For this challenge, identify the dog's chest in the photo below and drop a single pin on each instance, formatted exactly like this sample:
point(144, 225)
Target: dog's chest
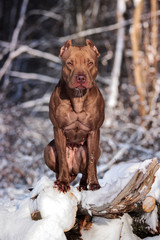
point(71, 114)
point(77, 130)
point(73, 121)
point(78, 104)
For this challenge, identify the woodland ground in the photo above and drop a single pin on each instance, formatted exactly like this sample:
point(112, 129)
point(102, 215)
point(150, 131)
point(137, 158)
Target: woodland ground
point(25, 129)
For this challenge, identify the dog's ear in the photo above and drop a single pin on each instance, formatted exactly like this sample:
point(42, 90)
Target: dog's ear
point(65, 47)
point(90, 43)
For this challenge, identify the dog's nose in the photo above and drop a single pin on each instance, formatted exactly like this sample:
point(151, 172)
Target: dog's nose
point(81, 78)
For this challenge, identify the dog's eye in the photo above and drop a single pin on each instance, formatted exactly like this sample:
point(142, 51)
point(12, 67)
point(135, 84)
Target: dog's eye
point(70, 63)
point(90, 63)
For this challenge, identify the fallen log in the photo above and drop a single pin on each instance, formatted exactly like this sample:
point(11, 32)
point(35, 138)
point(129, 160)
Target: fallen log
point(148, 204)
point(133, 200)
point(131, 197)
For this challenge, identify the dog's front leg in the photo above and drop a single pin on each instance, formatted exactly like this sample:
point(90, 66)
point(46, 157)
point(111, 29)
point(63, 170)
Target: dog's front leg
point(93, 156)
point(63, 175)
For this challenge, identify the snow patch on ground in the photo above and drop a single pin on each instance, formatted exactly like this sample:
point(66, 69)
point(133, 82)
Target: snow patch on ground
point(111, 229)
point(152, 219)
point(153, 238)
point(58, 210)
point(155, 190)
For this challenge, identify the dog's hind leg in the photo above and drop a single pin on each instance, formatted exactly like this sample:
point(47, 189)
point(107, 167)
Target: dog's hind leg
point(50, 156)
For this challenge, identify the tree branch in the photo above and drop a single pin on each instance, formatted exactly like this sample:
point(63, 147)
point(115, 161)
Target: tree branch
point(47, 14)
point(98, 30)
point(33, 76)
point(30, 51)
point(19, 25)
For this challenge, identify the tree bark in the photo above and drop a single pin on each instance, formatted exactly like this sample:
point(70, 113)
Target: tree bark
point(136, 38)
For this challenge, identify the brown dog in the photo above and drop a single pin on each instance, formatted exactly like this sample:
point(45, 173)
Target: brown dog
point(76, 110)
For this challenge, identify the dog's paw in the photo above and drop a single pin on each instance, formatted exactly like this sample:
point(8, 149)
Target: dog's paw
point(82, 187)
point(62, 186)
point(94, 186)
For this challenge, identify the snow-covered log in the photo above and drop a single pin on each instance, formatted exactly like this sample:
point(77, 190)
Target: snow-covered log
point(45, 214)
point(48, 214)
point(134, 192)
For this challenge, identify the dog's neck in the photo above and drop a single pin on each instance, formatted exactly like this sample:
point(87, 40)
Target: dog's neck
point(78, 103)
point(77, 97)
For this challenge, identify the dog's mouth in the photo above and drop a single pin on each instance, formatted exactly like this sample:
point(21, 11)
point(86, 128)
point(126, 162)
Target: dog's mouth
point(80, 87)
point(81, 81)
point(79, 91)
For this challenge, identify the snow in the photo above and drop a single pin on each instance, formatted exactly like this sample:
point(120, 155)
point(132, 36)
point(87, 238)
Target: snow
point(118, 176)
point(110, 229)
point(153, 238)
point(152, 219)
point(58, 210)
point(155, 190)
point(16, 222)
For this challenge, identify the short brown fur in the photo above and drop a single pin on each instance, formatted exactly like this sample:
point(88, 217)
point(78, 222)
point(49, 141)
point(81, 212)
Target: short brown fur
point(76, 110)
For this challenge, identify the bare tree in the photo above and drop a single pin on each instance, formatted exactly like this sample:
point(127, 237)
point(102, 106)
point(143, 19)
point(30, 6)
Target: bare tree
point(145, 59)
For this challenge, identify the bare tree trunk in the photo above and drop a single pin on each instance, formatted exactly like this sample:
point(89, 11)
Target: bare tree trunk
point(67, 17)
point(154, 44)
point(112, 102)
point(95, 10)
point(79, 16)
point(136, 37)
point(79, 19)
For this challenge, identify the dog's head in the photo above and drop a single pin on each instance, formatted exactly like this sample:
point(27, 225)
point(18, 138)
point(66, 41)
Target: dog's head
point(79, 65)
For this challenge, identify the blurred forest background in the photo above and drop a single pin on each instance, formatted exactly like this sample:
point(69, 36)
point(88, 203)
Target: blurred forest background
point(126, 33)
